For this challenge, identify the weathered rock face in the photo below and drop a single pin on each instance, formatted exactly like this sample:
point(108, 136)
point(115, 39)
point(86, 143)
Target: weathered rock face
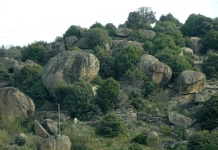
point(69, 67)
point(196, 46)
point(151, 34)
point(56, 46)
point(188, 133)
point(50, 126)
point(159, 73)
point(180, 120)
point(188, 50)
point(10, 53)
point(56, 142)
point(198, 64)
point(123, 32)
point(83, 43)
point(49, 54)
point(15, 103)
point(71, 41)
point(83, 32)
point(128, 114)
point(39, 130)
point(121, 101)
point(189, 82)
point(202, 96)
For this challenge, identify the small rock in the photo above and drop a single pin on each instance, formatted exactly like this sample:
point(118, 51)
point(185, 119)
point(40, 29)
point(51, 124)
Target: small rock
point(50, 126)
point(188, 133)
point(21, 139)
point(75, 120)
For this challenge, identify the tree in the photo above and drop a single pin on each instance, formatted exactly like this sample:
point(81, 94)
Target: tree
point(210, 40)
point(137, 36)
point(147, 15)
point(178, 37)
point(111, 28)
point(97, 25)
point(72, 31)
point(210, 66)
point(134, 21)
point(170, 17)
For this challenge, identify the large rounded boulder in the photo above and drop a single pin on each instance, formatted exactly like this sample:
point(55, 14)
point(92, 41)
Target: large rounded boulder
point(123, 32)
point(189, 81)
point(15, 103)
point(69, 66)
point(159, 73)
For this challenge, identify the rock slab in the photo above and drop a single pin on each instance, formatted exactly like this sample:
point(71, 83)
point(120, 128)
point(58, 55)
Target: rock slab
point(180, 120)
point(39, 130)
point(123, 32)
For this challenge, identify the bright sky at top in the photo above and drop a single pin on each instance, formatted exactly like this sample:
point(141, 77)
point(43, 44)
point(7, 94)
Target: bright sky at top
point(24, 21)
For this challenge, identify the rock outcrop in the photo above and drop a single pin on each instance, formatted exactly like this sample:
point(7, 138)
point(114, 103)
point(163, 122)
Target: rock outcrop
point(10, 53)
point(56, 46)
point(69, 67)
point(128, 114)
point(15, 103)
point(159, 73)
point(39, 130)
point(124, 32)
point(21, 139)
point(196, 46)
point(50, 126)
point(83, 43)
point(188, 133)
point(56, 142)
point(180, 120)
point(151, 34)
point(189, 82)
point(71, 41)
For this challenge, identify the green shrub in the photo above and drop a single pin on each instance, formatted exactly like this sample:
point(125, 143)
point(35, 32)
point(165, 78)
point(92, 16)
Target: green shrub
point(165, 130)
point(5, 138)
point(77, 97)
point(140, 139)
point(75, 48)
point(111, 125)
point(210, 41)
point(97, 36)
point(170, 17)
point(203, 141)
point(166, 24)
point(137, 36)
point(106, 93)
point(97, 25)
point(97, 80)
point(34, 52)
point(147, 88)
point(178, 37)
point(135, 146)
point(4, 75)
point(138, 103)
point(134, 94)
point(72, 31)
point(106, 62)
point(148, 46)
point(207, 115)
point(59, 39)
point(154, 141)
point(134, 21)
point(27, 72)
point(127, 59)
point(108, 142)
point(111, 28)
point(210, 66)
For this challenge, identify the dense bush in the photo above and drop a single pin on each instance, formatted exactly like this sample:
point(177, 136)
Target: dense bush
point(140, 139)
point(210, 41)
point(165, 130)
point(134, 21)
point(203, 141)
point(170, 17)
point(210, 66)
point(207, 115)
point(75, 48)
point(34, 51)
point(147, 88)
point(72, 31)
point(97, 25)
point(77, 97)
point(134, 94)
point(111, 125)
point(106, 93)
point(135, 146)
point(111, 28)
point(178, 38)
point(97, 36)
point(137, 36)
point(107, 68)
point(137, 103)
point(97, 80)
point(4, 75)
point(127, 59)
point(166, 24)
point(148, 46)
point(176, 62)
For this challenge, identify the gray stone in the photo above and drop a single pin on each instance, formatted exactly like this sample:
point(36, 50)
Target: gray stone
point(56, 142)
point(188, 50)
point(188, 133)
point(21, 139)
point(189, 81)
point(69, 67)
point(39, 130)
point(155, 119)
point(159, 73)
point(170, 143)
point(83, 43)
point(71, 41)
point(151, 34)
point(196, 46)
point(180, 120)
point(50, 126)
point(15, 103)
point(75, 120)
point(202, 96)
point(123, 32)
point(83, 32)
point(12, 52)
point(198, 64)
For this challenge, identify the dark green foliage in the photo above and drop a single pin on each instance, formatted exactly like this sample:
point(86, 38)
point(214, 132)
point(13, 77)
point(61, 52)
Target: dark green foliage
point(27, 72)
point(203, 141)
point(162, 41)
point(127, 59)
point(75, 48)
point(97, 36)
point(106, 93)
point(97, 25)
point(210, 41)
point(166, 24)
point(137, 103)
point(122, 25)
point(72, 31)
point(107, 68)
point(148, 46)
point(135, 146)
point(140, 139)
point(170, 17)
point(4, 75)
point(137, 36)
point(207, 115)
point(111, 125)
point(34, 51)
point(147, 88)
point(165, 130)
point(173, 60)
point(134, 21)
point(97, 80)
point(198, 25)
point(111, 28)
point(188, 57)
point(134, 94)
point(210, 66)
point(147, 15)
point(77, 97)
point(178, 38)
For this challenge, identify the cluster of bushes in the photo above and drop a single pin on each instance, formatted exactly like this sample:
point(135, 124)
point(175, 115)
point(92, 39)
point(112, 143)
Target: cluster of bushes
point(210, 66)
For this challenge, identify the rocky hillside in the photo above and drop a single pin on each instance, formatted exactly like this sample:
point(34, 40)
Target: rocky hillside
point(133, 87)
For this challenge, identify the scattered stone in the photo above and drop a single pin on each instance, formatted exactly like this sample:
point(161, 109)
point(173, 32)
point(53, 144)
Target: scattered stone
point(21, 139)
point(180, 120)
point(50, 126)
point(188, 133)
point(39, 130)
point(56, 142)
